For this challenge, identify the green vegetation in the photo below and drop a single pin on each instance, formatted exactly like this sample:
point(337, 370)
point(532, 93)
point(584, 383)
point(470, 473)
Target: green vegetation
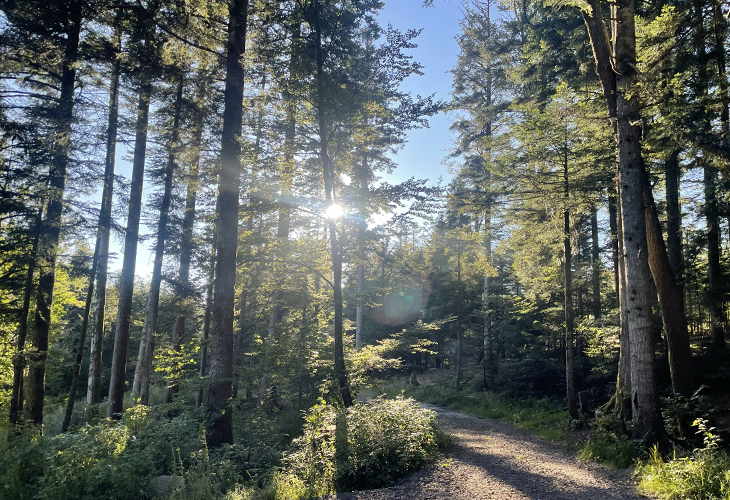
point(545, 416)
point(703, 474)
point(368, 445)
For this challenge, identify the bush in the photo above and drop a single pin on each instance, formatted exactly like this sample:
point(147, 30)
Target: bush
point(704, 475)
point(610, 448)
point(369, 445)
point(113, 459)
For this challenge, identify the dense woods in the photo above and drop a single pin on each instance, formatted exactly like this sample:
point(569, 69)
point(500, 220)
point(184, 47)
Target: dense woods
point(577, 251)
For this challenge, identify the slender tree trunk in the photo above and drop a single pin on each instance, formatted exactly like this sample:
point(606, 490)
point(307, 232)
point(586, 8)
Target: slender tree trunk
point(16, 399)
point(488, 344)
point(220, 423)
point(340, 369)
point(51, 227)
point(569, 326)
point(186, 250)
point(82, 342)
point(362, 177)
point(206, 324)
point(143, 370)
point(613, 223)
point(644, 397)
point(595, 265)
point(714, 271)
point(126, 281)
point(623, 382)
point(674, 217)
point(93, 391)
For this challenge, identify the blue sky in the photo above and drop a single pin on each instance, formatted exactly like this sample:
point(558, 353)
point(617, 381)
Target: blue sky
point(437, 50)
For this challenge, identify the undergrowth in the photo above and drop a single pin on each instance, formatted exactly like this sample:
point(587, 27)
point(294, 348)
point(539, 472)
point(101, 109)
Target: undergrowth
point(546, 417)
point(703, 474)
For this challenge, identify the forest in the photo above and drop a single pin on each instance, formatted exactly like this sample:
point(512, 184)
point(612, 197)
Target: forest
point(575, 257)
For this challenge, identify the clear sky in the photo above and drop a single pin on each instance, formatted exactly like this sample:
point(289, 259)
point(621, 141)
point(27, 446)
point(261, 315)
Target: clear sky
point(437, 51)
point(421, 157)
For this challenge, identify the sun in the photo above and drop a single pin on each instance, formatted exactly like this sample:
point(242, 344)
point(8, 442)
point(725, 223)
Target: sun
point(334, 211)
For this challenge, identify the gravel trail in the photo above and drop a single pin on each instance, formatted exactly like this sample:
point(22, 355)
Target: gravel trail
point(494, 460)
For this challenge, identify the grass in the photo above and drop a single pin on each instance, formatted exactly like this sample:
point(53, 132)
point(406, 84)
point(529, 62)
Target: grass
point(545, 417)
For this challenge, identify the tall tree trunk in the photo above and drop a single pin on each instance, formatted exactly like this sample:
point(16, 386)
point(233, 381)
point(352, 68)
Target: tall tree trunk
point(220, 422)
point(16, 398)
point(206, 324)
point(674, 217)
point(613, 223)
point(185, 290)
point(93, 391)
point(672, 301)
point(714, 271)
point(595, 265)
point(340, 369)
point(51, 227)
point(489, 365)
point(143, 370)
point(645, 400)
point(126, 280)
point(623, 382)
point(82, 342)
point(569, 326)
point(362, 178)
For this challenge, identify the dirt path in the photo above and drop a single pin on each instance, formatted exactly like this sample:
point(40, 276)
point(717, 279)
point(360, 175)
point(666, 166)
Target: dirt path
point(494, 460)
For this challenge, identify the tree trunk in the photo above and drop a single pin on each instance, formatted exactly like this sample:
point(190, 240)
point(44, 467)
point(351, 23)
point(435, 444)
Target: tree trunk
point(672, 300)
point(126, 280)
point(185, 290)
point(714, 271)
point(51, 227)
point(595, 265)
point(645, 400)
point(340, 369)
point(82, 342)
point(143, 371)
point(613, 223)
point(488, 354)
point(623, 382)
point(206, 324)
point(93, 391)
point(569, 327)
point(362, 178)
point(674, 217)
point(16, 399)
point(220, 423)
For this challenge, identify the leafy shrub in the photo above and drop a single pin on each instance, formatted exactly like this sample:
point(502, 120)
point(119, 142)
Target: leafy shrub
point(369, 445)
point(610, 448)
point(112, 460)
point(703, 475)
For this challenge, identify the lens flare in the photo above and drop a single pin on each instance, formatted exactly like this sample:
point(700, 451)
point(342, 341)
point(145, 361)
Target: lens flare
point(334, 211)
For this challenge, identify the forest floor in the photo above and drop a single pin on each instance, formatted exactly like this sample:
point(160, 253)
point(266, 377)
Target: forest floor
point(491, 459)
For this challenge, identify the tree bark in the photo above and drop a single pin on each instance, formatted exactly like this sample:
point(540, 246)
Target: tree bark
point(185, 289)
point(51, 227)
point(714, 271)
point(126, 280)
point(595, 265)
point(143, 371)
point(569, 326)
point(93, 391)
point(328, 174)
point(672, 300)
point(16, 398)
point(645, 400)
point(82, 342)
point(674, 217)
point(219, 418)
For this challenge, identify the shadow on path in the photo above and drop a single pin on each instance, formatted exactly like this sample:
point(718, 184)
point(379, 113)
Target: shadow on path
point(494, 460)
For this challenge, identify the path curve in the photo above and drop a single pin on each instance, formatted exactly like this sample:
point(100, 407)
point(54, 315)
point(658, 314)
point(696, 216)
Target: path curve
point(495, 460)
